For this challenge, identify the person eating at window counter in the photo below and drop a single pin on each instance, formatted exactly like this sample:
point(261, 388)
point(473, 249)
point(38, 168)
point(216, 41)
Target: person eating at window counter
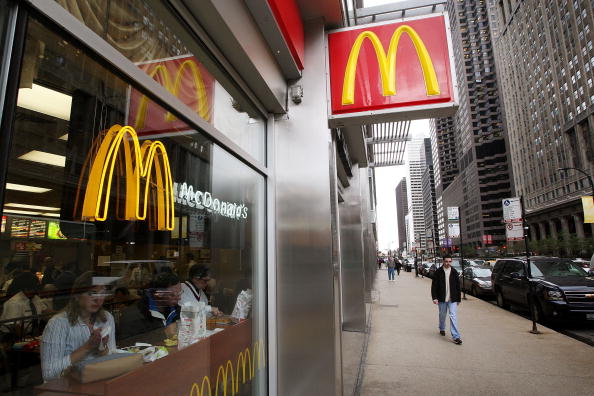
point(23, 301)
point(193, 288)
point(156, 312)
point(83, 330)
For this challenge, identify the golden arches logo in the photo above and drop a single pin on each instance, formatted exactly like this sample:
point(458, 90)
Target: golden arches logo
point(247, 360)
point(120, 152)
point(387, 63)
point(202, 105)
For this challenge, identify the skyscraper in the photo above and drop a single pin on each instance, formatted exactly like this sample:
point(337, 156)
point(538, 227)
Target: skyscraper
point(416, 166)
point(549, 104)
point(401, 211)
point(481, 177)
point(429, 203)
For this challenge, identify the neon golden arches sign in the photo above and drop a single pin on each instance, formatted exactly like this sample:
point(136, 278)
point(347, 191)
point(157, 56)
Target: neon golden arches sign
point(149, 162)
point(202, 105)
point(387, 63)
point(226, 372)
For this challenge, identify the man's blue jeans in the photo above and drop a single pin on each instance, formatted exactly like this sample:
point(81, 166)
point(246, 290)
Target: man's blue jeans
point(444, 307)
point(390, 273)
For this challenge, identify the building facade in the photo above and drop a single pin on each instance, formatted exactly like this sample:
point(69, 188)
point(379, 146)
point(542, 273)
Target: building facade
point(429, 198)
point(416, 166)
point(401, 211)
point(479, 132)
point(549, 107)
point(146, 143)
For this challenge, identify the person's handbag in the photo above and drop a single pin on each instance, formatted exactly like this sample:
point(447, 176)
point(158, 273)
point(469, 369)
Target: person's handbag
point(104, 367)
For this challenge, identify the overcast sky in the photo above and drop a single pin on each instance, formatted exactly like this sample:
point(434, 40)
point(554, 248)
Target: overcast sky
point(386, 180)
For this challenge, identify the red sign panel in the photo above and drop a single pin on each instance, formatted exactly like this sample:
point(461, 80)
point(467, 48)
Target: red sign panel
point(289, 20)
point(391, 66)
point(187, 79)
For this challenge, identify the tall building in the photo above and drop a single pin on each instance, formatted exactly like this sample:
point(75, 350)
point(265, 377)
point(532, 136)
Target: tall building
point(481, 177)
point(445, 164)
point(401, 211)
point(416, 167)
point(429, 202)
point(549, 104)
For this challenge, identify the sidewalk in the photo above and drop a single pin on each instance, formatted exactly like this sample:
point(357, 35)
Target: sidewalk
point(407, 356)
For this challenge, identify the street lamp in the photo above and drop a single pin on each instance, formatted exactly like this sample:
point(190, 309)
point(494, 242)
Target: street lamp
point(581, 171)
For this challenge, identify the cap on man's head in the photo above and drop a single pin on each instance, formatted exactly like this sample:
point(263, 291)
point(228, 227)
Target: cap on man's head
point(198, 271)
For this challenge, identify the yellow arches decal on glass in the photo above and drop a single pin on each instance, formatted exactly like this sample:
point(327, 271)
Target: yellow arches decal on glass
point(246, 360)
point(387, 63)
point(202, 105)
point(119, 151)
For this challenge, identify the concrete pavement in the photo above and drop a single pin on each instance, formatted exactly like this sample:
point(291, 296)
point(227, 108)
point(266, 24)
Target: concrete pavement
point(407, 356)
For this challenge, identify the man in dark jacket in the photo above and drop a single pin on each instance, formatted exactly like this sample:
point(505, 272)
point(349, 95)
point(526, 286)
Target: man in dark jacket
point(445, 291)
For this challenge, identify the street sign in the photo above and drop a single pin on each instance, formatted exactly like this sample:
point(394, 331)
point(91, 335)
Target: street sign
point(512, 210)
point(454, 230)
point(453, 213)
point(514, 231)
point(588, 205)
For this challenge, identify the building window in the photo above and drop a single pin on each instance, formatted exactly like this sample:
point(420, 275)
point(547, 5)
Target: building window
point(109, 219)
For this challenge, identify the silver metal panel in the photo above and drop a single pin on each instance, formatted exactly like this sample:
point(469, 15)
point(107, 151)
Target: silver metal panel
point(232, 28)
point(305, 296)
point(11, 18)
point(351, 243)
point(366, 232)
point(271, 259)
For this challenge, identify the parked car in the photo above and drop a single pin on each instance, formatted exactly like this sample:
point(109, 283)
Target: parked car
point(562, 289)
point(425, 267)
point(585, 264)
point(407, 265)
point(432, 268)
point(477, 281)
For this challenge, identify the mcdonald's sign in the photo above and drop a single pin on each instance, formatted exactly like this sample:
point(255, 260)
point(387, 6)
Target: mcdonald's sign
point(187, 79)
point(146, 174)
point(391, 71)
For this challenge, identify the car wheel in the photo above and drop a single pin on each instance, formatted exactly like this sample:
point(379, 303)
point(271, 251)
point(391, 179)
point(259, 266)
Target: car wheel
point(501, 301)
point(473, 291)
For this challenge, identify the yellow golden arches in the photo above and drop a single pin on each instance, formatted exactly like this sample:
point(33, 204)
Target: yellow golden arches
point(202, 105)
point(387, 63)
point(200, 389)
point(224, 370)
point(139, 163)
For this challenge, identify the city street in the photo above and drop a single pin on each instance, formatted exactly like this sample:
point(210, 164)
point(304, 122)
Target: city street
point(406, 355)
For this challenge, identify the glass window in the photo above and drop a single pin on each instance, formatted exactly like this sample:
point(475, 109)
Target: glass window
point(113, 235)
point(178, 63)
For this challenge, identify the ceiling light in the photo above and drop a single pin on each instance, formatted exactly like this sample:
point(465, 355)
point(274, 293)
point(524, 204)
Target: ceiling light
point(22, 187)
point(25, 212)
point(46, 101)
point(25, 206)
point(51, 214)
point(44, 158)
point(64, 137)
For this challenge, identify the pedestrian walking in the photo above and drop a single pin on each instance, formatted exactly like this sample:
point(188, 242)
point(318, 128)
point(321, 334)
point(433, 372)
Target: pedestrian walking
point(391, 267)
point(416, 268)
point(445, 291)
point(398, 265)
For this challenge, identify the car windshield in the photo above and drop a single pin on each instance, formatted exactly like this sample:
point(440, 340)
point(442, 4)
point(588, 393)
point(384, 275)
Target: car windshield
point(456, 264)
point(557, 269)
point(481, 272)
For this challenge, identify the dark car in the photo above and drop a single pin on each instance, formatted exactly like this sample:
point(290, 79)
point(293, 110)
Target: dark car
point(431, 271)
point(562, 289)
point(477, 281)
point(425, 267)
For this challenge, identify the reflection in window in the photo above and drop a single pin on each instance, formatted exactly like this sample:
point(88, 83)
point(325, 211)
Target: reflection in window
point(108, 229)
point(135, 30)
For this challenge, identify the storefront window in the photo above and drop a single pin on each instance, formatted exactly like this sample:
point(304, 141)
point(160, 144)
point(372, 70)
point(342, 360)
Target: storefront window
point(135, 29)
point(114, 235)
